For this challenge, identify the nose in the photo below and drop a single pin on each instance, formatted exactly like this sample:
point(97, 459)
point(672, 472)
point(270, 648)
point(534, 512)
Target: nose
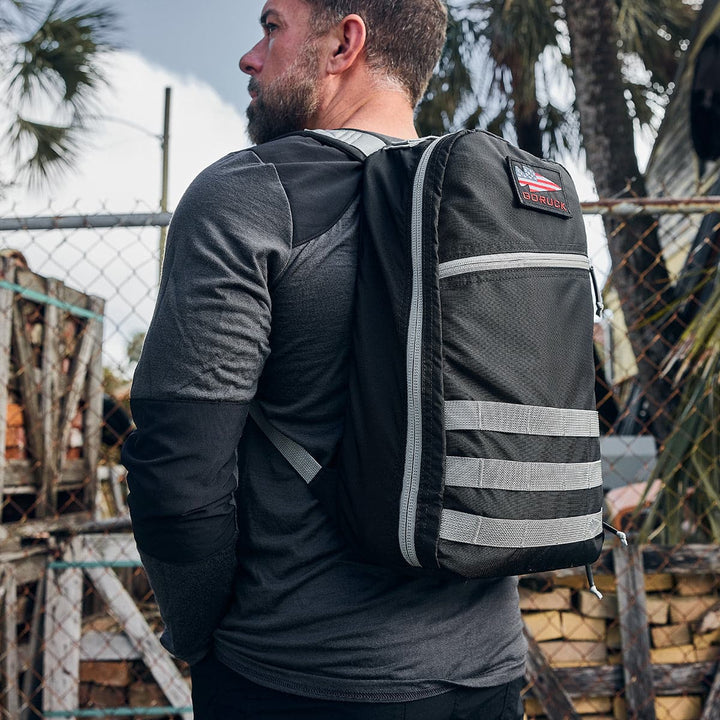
point(251, 61)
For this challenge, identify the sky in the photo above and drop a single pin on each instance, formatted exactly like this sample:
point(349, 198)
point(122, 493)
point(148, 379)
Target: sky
point(206, 45)
point(163, 43)
point(194, 48)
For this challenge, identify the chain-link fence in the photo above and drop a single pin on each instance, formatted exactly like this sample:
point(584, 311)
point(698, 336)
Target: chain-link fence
point(79, 625)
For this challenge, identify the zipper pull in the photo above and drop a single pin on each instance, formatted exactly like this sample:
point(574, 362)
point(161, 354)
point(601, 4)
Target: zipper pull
point(618, 533)
point(591, 582)
point(599, 306)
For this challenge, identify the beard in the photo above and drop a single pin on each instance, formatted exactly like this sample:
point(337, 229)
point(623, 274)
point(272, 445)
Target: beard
point(286, 103)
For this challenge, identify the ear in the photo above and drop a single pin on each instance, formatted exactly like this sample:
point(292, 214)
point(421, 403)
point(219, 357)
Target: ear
point(346, 43)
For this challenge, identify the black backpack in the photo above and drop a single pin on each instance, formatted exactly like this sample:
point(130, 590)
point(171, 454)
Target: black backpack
point(471, 442)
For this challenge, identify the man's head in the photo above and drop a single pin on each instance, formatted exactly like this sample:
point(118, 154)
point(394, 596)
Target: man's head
point(310, 42)
point(404, 37)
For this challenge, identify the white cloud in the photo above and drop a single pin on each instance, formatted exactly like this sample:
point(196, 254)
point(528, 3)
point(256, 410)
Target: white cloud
point(122, 167)
point(121, 173)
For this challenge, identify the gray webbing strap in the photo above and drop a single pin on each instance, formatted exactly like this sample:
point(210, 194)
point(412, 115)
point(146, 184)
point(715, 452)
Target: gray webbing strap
point(366, 143)
point(502, 533)
point(490, 474)
point(301, 460)
point(520, 419)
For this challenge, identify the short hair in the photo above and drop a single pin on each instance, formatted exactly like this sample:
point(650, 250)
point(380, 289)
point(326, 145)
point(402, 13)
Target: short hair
point(404, 37)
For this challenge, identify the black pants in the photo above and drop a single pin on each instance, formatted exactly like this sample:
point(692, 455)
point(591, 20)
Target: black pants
point(221, 694)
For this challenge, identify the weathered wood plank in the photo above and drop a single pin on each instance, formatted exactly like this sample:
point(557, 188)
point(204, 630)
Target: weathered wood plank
point(122, 607)
point(75, 390)
point(546, 687)
point(10, 642)
point(63, 628)
point(28, 564)
point(637, 669)
point(607, 680)
point(29, 389)
point(94, 411)
point(71, 524)
point(102, 646)
point(711, 711)
point(6, 310)
point(112, 547)
point(20, 478)
point(31, 681)
point(50, 403)
point(692, 559)
point(686, 559)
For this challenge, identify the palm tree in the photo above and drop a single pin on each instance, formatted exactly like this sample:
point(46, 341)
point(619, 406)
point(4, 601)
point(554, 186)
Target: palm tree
point(519, 52)
point(50, 60)
point(606, 110)
point(503, 41)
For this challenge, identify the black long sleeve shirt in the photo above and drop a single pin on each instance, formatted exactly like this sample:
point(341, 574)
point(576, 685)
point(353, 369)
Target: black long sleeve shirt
point(255, 302)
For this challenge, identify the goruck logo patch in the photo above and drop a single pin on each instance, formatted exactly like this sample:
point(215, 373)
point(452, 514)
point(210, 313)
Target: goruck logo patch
point(539, 188)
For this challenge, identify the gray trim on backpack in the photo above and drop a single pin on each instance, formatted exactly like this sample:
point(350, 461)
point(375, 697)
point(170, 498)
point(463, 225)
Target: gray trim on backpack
point(413, 444)
point(503, 533)
point(484, 473)
point(520, 419)
point(513, 261)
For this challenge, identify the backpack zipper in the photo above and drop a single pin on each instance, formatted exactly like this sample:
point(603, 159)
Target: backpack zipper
point(413, 443)
point(513, 261)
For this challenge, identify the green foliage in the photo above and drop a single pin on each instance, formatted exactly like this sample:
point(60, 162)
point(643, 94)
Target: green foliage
point(452, 81)
point(654, 34)
point(494, 75)
point(135, 346)
point(687, 507)
point(50, 57)
point(505, 60)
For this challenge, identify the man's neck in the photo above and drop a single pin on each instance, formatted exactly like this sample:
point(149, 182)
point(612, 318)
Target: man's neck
point(384, 111)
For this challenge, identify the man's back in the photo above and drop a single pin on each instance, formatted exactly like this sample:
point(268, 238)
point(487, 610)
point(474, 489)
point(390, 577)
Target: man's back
point(258, 591)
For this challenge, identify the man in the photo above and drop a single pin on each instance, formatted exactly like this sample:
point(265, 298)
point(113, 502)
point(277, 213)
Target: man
point(258, 590)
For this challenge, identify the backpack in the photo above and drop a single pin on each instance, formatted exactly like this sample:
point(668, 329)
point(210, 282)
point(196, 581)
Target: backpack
point(471, 442)
point(705, 100)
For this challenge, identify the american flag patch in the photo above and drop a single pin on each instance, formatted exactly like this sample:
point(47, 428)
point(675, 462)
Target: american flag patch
point(539, 187)
point(527, 177)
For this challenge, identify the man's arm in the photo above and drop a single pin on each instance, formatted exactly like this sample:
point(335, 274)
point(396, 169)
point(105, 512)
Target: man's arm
point(207, 343)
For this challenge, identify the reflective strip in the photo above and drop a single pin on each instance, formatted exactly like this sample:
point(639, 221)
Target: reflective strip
point(503, 533)
point(413, 443)
point(365, 142)
point(304, 464)
point(490, 474)
point(520, 419)
point(513, 261)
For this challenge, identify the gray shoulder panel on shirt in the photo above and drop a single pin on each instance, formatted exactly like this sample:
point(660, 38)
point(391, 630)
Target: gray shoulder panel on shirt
point(230, 237)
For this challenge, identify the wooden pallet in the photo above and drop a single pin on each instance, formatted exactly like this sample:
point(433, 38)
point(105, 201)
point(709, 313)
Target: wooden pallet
point(50, 395)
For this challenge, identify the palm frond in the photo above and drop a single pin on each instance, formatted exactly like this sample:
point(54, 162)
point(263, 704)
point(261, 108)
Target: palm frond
point(688, 505)
point(653, 36)
point(503, 40)
point(43, 151)
point(452, 82)
point(60, 57)
point(655, 30)
point(52, 63)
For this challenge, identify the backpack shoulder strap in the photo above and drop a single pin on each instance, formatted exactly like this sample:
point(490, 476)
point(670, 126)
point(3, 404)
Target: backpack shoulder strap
point(365, 143)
